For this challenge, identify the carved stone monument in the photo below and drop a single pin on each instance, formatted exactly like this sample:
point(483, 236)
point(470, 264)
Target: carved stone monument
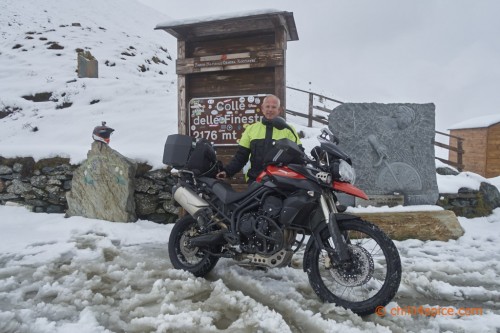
point(103, 186)
point(391, 146)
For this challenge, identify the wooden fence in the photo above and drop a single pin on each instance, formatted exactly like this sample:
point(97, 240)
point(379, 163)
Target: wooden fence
point(310, 115)
point(458, 149)
point(324, 120)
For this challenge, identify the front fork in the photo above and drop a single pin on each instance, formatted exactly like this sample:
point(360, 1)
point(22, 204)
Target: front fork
point(329, 211)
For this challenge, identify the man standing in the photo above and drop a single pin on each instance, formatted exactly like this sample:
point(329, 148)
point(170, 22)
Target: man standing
point(257, 140)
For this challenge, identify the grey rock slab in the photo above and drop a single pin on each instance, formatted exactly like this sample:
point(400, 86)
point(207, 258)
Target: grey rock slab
point(103, 186)
point(391, 147)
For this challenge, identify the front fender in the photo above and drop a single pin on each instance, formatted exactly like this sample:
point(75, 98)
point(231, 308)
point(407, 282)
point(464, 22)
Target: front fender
point(318, 227)
point(349, 189)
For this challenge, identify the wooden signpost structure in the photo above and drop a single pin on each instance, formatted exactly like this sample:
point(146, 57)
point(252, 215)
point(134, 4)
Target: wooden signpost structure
point(225, 67)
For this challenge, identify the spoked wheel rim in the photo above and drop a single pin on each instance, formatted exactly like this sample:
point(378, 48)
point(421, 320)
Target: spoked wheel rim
point(197, 260)
point(363, 277)
point(356, 272)
point(189, 254)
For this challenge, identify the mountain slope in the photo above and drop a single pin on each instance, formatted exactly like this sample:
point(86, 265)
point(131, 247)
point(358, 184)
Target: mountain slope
point(135, 92)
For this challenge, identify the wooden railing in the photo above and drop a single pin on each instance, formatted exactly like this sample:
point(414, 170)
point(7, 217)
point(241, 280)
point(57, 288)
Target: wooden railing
point(458, 150)
point(324, 120)
point(310, 115)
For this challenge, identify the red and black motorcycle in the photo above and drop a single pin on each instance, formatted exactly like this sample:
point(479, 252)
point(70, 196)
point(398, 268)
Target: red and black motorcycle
point(349, 261)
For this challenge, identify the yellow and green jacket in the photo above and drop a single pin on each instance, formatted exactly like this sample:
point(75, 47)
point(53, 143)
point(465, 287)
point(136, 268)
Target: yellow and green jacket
point(256, 141)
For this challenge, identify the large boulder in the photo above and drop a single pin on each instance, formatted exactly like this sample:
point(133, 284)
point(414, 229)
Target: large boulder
point(472, 203)
point(103, 186)
point(490, 194)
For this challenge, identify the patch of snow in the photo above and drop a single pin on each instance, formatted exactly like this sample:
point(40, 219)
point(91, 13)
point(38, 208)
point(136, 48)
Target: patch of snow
point(209, 18)
point(478, 122)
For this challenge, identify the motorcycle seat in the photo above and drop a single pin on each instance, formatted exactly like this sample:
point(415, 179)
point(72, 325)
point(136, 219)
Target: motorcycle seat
point(225, 192)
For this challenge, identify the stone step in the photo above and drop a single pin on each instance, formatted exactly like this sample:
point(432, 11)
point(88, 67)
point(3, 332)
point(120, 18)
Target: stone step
point(440, 225)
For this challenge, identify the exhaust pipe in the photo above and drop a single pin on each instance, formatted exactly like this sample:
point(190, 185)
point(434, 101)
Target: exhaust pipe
point(189, 200)
point(207, 240)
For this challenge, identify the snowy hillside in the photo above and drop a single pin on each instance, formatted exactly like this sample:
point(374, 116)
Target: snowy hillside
point(84, 275)
point(135, 92)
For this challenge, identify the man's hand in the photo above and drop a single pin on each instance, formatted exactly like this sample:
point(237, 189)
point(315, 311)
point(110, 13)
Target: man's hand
point(221, 175)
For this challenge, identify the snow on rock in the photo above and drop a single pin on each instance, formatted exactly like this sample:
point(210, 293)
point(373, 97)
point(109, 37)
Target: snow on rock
point(451, 184)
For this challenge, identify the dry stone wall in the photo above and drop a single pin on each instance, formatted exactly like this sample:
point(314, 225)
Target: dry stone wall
point(471, 203)
point(42, 186)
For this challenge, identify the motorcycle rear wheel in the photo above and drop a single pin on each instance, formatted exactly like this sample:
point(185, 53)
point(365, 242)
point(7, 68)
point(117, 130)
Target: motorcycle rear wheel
point(188, 258)
point(369, 280)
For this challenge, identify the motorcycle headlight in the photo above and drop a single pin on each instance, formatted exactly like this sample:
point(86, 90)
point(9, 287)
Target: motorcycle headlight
point(344, 172)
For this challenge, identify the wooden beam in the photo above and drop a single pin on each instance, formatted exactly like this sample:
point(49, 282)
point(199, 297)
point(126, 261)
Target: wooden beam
point(459, 166)
point(182, 92)
point(322, 108)
point(451, 136)
point(310, 111)
point(442, 145)
point(325, 97)
point(318, 119)
point(280, 40)
point(234, 61)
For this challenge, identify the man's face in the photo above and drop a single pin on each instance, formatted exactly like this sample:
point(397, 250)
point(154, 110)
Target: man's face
point(271, 108)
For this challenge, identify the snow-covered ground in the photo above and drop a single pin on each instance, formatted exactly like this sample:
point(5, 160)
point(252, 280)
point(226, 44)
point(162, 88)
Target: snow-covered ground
point(77, 274)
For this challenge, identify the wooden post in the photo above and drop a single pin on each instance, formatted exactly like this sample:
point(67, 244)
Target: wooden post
point(181, 84)
point(460, 152)
point(311, 102)
point(279, 71)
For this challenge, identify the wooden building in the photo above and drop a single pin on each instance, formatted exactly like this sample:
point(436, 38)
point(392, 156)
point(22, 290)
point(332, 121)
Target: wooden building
point(481, 145)
point(225, 66)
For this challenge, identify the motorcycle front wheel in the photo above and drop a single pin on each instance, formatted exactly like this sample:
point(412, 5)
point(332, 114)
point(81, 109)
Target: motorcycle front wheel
point(369, 279)
point(189, 258)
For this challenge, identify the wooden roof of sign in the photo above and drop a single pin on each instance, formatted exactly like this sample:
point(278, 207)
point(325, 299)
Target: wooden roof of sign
point(234, 24)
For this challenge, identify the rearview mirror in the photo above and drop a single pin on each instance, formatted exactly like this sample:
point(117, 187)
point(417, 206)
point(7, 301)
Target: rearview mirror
point(280, 123)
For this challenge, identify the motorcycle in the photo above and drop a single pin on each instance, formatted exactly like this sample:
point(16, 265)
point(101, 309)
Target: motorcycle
point(349, 261)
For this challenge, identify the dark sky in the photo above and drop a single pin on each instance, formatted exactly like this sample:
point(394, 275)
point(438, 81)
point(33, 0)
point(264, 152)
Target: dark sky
point(442, 51)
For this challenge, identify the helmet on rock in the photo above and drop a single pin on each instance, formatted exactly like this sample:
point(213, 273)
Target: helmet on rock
point(102, 133)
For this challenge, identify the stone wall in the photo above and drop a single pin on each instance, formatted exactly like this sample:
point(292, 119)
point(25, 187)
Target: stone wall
point(42, 186)
point(471, 203)
point(468, 202)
